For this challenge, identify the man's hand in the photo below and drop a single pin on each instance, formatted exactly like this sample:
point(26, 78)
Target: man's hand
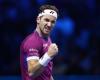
point(53, 50)
point(47, 57)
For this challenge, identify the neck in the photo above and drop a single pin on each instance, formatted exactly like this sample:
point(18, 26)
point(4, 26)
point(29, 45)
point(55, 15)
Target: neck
point(39, 32)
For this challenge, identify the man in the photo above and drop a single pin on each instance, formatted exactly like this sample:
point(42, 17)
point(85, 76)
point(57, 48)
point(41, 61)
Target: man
point(37, 50)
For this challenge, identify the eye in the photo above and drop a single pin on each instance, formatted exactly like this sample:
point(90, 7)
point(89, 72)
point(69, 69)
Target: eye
point(53, 22)
point(47, 20)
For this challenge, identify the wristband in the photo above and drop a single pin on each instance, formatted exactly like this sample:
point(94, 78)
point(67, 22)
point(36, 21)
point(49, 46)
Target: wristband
point(45, 59)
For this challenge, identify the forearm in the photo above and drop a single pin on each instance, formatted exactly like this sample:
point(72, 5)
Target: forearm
point(36, 69)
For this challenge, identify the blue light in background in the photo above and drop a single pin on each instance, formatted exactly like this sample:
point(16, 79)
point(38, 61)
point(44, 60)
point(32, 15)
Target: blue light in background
point(10, 77)
point(40, 2)
point(91, 4)
point(86, 63)
point(25, 8)
point(58, 77)
point(12, 13)
point(1, 1)
point(66, 26)
point(82, 40)
point(25, 4)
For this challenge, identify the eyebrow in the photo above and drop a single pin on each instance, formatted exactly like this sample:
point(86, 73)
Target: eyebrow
point(49, 20)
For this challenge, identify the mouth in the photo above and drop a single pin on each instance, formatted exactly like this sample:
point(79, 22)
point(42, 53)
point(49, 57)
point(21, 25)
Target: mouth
point(47, 29)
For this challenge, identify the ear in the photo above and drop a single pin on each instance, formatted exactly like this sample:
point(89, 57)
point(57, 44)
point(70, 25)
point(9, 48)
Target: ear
point(38, 20)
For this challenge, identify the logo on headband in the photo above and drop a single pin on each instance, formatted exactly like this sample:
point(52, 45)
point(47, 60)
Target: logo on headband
point(49, 12)
point(52, 12)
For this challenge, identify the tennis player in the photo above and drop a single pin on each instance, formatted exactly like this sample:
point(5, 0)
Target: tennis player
point(37, 50)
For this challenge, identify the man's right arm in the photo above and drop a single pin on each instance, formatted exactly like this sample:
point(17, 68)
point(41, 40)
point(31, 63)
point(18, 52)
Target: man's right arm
point(35, 67)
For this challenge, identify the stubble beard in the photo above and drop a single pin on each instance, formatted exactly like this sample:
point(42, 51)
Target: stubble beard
point(43, 32)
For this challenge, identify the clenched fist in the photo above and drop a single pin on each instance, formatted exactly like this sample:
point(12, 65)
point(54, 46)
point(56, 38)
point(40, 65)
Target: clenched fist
point(52, 50)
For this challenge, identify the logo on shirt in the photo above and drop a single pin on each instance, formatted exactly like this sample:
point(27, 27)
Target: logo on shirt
point(45, 46)
point(31, 50)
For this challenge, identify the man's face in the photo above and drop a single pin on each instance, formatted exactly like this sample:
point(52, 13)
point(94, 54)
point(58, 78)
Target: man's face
point(46, 23)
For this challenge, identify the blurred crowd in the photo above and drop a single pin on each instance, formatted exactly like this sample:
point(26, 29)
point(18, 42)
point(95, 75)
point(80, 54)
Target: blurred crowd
point(76, 33)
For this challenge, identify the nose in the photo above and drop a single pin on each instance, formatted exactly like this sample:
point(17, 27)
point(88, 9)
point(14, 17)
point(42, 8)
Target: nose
point(49, 24)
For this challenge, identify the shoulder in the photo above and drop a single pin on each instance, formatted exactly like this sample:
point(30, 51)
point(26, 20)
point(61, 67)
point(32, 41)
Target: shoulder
point(31, 41)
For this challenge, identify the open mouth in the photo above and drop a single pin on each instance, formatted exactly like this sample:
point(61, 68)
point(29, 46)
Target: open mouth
point(47, 29)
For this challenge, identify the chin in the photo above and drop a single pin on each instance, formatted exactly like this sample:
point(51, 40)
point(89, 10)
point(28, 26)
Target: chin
point(46, 33)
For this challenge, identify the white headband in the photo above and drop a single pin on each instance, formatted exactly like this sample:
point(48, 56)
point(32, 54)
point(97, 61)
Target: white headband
point(49, 12)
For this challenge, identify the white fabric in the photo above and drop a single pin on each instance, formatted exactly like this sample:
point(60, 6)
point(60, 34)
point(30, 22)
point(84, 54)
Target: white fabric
point(32, 57)
point(48, 12)
point(45, 59)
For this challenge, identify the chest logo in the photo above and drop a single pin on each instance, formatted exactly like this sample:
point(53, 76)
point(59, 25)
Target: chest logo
point(45, 46)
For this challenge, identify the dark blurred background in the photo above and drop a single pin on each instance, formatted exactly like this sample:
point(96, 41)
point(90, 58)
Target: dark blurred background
point(77, 34)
